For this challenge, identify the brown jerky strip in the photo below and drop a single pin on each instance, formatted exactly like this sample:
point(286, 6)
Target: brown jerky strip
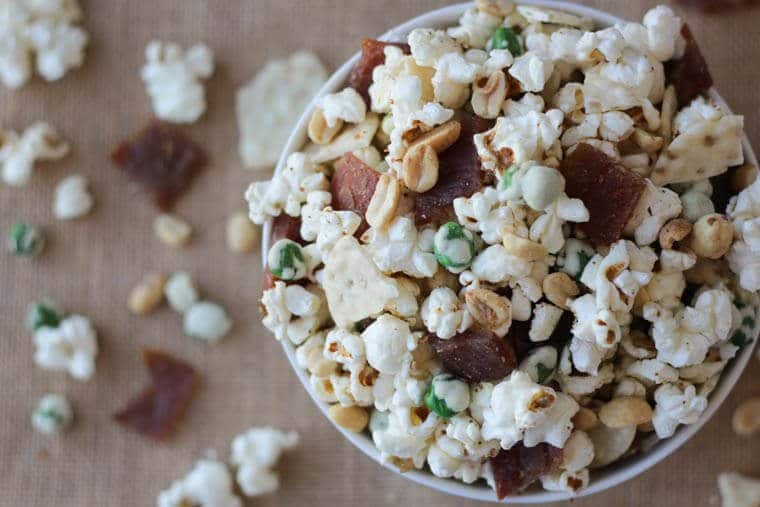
point(162, 159)
point(373, 54)
point(689, 75)
point(459, 175)
point(516, 469)
point(609, 191)
point(157, 411)
point(476, 355)
point(352, 186)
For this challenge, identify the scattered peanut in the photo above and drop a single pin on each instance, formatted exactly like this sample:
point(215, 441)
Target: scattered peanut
point(440, 137)
point(489, 94)
point(558, 288)
point(382, 207)
point(625, 411)
point(420, 168)
point(172, 230)
point(712, 236)
point(351, 418)
point(523, 248)
point(743, 177)
point(498, 8)
point(488, 308)
point(646, 141)
point(674, 231)
point(242, 234)
point(319, 132)
point(147, 295)
point(746, 419)
point(646, 427)
point(585, 419)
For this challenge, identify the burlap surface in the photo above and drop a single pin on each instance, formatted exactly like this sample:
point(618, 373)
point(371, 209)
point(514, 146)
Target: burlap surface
point(90, 266)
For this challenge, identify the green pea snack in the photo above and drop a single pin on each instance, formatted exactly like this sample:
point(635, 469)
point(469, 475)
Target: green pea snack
point(453, 246)
point(505, 38)
point(286, 260)
point(25, 240)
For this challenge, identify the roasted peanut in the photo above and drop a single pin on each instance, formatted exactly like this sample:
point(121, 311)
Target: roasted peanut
point(351, 418)
point(242, 235)
point(585, 419)
point(420, 168)
point(746, 419)
point(382, 207)
point(673, 232)
point(440, 137)
point(172, 230)
point(523, 248)
point(498, 8)
point(318, 130)
point(625, 411)
point(488, 308)
point(712, 236)
point(646, 141)
point(488, 95)
point(743, 177)
point(147, 295)
point(558, 288)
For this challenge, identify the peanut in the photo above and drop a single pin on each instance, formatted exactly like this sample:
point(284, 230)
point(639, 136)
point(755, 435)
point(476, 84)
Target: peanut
point(351, 418)
point(712, 236)
point(172, 230)
point(147, 295)
point(382, 207)
point(488, 308)
point(522, 248)
point(440, 137)
point(420, 168)
point(558, 288)
point(488, 95)
point(746, 419)
point(585, 419)
point(646, 141)
point(625, 411)
point(242, 235)
point(498, 8)
point(673, 232)
point(319, 132)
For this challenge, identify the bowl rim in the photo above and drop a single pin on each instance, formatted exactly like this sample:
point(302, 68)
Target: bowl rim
point(603, 479)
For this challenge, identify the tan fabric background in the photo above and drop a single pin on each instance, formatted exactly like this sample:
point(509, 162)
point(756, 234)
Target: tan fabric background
point(90, 266)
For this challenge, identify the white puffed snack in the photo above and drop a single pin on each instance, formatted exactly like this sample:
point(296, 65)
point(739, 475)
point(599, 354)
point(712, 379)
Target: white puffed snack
point(172, 77)
point(254, 453)
point(207, 322)
point(269, 106)
point(181, 292)
point(72, 347)
point(52, 415)
point(72, 198)
point(18, 154)
point(208, 484)
point(738, 490)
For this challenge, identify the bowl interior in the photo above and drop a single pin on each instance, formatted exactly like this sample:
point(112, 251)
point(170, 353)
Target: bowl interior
point(602, 479)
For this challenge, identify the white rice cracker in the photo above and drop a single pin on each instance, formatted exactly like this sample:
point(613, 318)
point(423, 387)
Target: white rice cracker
point(270, 105)
point(702, 152)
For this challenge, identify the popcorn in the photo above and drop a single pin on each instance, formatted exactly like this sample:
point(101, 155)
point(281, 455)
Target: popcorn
point(581, 385)
point(523, 410)
point(531, 71)
point(208, 484)
point(577, 455)
point(545, 319)
point(676, 405)
point(656, 206)
point(52, 415)
point(311, 213)
point(254, 453)
point(404, 438)
point(388, 341)
point(528, 102)
point(453, 74)
point(737, 490)
point(444, 314)
point(401, 248)
point(496, 265)
point(543, 15)
point(284, 302)
point(662, 34)
point(72, 347)
point(346, 105)
point(475, 28)
point(344, 347)
point(744, 256)
point(72, 198)
point(652, 372)
point(444, 465)
point(286, 191)
point(172, 77)
point(18, 154)
point(484, 212)
point(334, 225)
point(547, 228)
point(464, 439)
point(428, 46)
point(636, 79)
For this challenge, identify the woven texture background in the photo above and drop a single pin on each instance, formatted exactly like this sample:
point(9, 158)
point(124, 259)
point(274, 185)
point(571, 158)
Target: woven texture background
point(90, 266)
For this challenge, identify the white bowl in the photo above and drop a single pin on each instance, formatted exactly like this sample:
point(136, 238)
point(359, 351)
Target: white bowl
point(601, 479)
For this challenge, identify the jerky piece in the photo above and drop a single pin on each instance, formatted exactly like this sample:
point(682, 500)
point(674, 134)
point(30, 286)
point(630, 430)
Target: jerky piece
point(609, 191)
point(459, 175)
point(517, 468)
point(476, 355)
point(162, 159)
point(352, 186)
point(373, 54)
point(161, 406)
point(689, 75)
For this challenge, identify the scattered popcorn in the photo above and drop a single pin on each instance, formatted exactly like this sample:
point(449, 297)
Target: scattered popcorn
point(346, 105)
point(172, 230)
point(52, 415)
point(545, 319)
point(71, 346)
point(181, 292)
point(254, 453)
point(172, 77)
point(207, 322)
point(72, 198)
point(676, 405)
point(18, 153)
point(208, 484)
point(737, 490)
point(444, 314)
point(284, 302)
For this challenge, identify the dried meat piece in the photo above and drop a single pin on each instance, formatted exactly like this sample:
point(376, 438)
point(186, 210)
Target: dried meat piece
point(517, 468)
point(162, 159)
point(352, 186)
point(689, 74)
point(476, 355)
point(609, 191)
point(459, 175)
point(157, 411)
point(373, 54)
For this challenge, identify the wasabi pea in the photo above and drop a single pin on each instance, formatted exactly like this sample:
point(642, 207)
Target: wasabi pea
point(25, 240)
point(574, 257)
point(43, 314)
point(505, 38)
point(447, 396)
point(453, 246)
point(286, 260)
point(541, 186)
point(540, 364)
point(52, 415)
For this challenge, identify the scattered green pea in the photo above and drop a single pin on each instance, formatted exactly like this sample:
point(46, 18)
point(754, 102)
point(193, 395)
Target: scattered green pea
point(740, 339)
point(286, 260)
point(505, 38)
point(25, 240)
point(453, 246)
point(447, 396)
point(748, 322)
point(43, 314)
point(506, 176)
point(583, 259)
point(52, 415)
point(540, 364)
